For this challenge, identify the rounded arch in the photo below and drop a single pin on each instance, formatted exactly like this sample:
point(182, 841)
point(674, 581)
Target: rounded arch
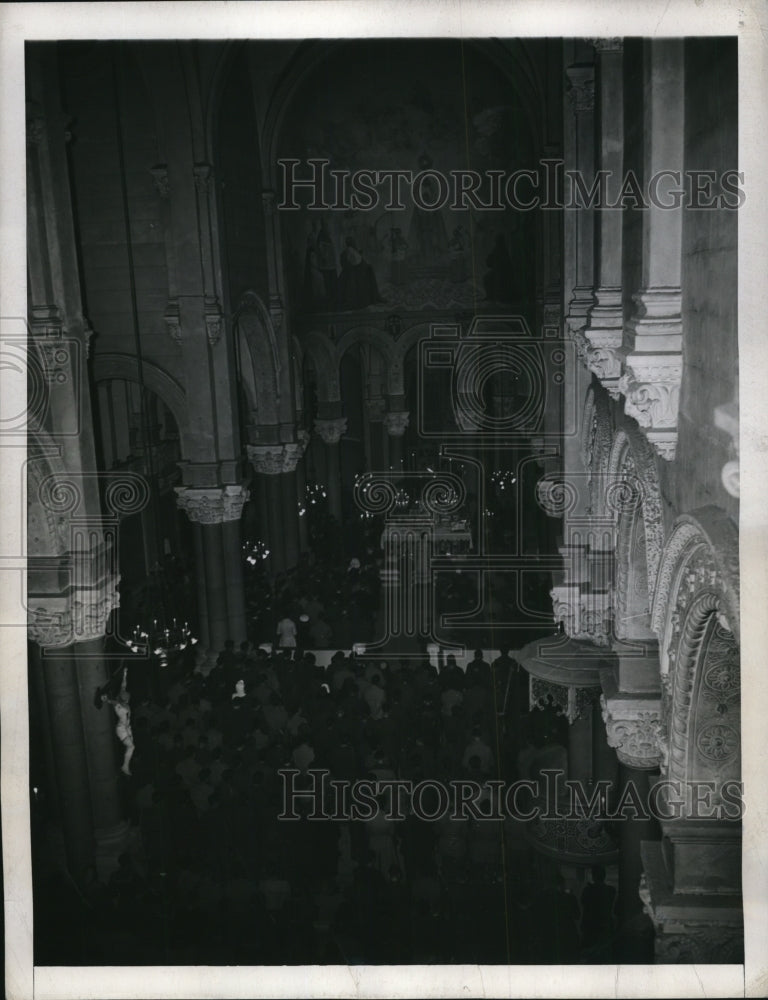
point(258, 356)
point(371, 337)
point(633, 499)
point(163, 384)
point(696, 615)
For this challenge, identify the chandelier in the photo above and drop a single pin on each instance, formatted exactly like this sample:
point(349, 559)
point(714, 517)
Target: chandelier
point(314, 494)
point(161, 642)
point(503, 479)
point(255, 552)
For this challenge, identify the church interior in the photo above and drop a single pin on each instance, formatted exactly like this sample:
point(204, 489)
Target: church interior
point(421, 491)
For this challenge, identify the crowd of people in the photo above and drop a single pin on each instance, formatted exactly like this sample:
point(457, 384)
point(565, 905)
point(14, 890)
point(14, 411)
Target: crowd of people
point(215, 875)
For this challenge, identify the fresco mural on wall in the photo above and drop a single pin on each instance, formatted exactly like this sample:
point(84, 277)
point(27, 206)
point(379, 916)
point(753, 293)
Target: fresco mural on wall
point(381, 109)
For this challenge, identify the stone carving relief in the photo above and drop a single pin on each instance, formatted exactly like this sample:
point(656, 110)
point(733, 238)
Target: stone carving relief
point(214, 505)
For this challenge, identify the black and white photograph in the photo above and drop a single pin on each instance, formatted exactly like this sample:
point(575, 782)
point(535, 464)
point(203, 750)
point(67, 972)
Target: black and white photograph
point(375, 528)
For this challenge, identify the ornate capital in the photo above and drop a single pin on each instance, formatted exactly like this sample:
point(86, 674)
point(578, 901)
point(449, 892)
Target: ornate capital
point(213, 505)
point(396, 422)
point(652, 390)
point(633, 728)
point(586, 617)
point(272, 459)
point(607, 44)
point(331, 431)
point(77, 617)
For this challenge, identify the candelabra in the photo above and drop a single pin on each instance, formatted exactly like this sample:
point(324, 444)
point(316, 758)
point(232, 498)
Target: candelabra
point(255, 552)
point(161, 641)
point(503, 479)
point(314, 494)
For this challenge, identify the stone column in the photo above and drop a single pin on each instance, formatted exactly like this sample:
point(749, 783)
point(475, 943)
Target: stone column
point(396, 422)
point(635, 928)
point(579, 222)
point(212, 509)
point(606, 318)
point(276, 465)
point(653, 336)
point(110, 825)
point(331, 432)
point(63, 698)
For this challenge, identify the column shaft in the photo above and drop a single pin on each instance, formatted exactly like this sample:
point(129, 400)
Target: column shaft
point(290, 518)
point(63, 699)
point(216, 587)
point(100, 740)
point(334, 480)
point(232, 553)
point(204, 632)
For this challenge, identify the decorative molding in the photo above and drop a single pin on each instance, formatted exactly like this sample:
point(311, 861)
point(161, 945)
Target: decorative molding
point(214, 321)
point(607, 44)
point(172, 318)
point(331, 431)
point(632, 485)
point(581, 88)
point(585, 616)
point(653, 398)
point(214, 505)
point(160, 179)
point(396, 422)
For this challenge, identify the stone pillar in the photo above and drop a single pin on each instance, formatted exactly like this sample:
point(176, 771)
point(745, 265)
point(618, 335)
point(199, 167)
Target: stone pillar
point(213, 508)
point(606, 318)
point(396, 422)
point(204, 634)
point(580, 765)
point(63, 698)
point(110, 825)
point(331, 432)
point(275, 466)
point(653, 336)
point(579, 151)
point(635, 928)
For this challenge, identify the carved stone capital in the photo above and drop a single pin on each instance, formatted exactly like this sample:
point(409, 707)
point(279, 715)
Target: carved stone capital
point(76, 617)
point(331, 431)
point(213, 505)
point(272, 459)
point(633, 728)
point(606, 44)
point(396, 422)
point(652, 390)
point(584, 616)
